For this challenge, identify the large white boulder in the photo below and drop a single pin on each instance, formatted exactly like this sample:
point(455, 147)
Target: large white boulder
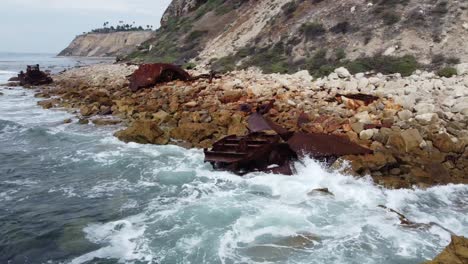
point(342, 72)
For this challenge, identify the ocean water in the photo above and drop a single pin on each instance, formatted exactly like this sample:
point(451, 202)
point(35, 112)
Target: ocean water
point(73, 193)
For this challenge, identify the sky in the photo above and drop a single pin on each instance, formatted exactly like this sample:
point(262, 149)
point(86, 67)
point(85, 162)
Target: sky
point(48, 26)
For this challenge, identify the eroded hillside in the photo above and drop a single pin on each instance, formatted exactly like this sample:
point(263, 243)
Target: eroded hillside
point(318, 35)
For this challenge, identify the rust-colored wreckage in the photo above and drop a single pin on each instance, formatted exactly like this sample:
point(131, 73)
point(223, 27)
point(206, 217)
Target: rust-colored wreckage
point(33, 76)
point(273, 149)
point(148, 75)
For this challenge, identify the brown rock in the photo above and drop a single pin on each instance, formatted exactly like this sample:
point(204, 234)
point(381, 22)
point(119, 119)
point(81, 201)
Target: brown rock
point(67, 121)
point(86, 110)
point(444, 143)
point(194, 132)
point(47, 104)
point(143, 132)
point(191, 104)
point(83, 121)
point(238, 129)
point(161, 116)
point(322, 191)
point(231, 96)
point(106, 122)
point(406, 140)
point(455, 253)
point(371, 162)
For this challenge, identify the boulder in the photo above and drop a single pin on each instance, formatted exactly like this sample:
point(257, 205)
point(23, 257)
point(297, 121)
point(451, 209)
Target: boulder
point(231, 96)
point(47, 104)
point(357, 127)
point(462, 68)
point(366, 134)
point(342, 72)
point(143, 132)
point(106, 122)
point(445, 143)
point(86, 110)
point(424, 108)
point(427, 119)
point(405, 115)
point(363, 117)
point(405, 141)
point(455, 253)
point(194, 132)
point(161, 116)
point(83, 121)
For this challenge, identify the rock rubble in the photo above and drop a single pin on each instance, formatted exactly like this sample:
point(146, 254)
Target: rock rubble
point(417, 128)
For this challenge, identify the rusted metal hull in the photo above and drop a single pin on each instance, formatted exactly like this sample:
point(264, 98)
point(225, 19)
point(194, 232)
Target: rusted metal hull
point(271, 148)
point(148, 75)
point(250, 153)
point(34, 76)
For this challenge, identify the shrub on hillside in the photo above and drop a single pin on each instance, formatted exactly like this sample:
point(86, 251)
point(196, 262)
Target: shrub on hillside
point(447, 72)
point(196, 35)
point(405, 65)
point(312, 30)
point(390, 18)
point(289, 8)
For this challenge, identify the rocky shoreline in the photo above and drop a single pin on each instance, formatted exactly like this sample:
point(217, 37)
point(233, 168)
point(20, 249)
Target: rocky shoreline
point(417, 128)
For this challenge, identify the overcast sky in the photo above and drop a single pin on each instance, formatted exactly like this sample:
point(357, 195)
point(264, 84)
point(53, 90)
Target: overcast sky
point(50, 25)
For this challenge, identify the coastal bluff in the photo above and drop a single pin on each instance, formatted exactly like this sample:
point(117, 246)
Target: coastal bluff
point(106, 44)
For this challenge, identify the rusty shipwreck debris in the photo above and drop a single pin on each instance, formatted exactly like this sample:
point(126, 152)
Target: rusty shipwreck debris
point(367, 99)
point(253, 152)
point(148, 75)
point(269, 147)
point(34, 76)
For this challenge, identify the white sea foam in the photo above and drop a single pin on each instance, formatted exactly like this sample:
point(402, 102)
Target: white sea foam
point(227, 218)
point(124, 240)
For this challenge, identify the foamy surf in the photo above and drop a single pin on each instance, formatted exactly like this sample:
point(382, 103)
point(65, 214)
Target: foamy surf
point(78, 195)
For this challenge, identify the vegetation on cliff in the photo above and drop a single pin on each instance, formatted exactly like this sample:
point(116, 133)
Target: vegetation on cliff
point(286, 36)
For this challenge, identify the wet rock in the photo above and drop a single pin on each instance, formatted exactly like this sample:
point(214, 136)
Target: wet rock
point(83, 121)
point(371, 162)
point(161, 116)
point(47, 104)
point(194, 132)
point(143, 132)
point(320, 191)
point(1, 93)
point(87, 110)
point(106, 122)
point(455, 253)
point(67, 121)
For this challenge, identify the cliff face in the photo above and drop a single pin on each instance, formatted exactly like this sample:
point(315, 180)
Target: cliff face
point(289, 34)
point(106, 44)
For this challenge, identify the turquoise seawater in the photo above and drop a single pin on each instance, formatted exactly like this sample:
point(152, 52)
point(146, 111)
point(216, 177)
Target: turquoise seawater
point(73, 193)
